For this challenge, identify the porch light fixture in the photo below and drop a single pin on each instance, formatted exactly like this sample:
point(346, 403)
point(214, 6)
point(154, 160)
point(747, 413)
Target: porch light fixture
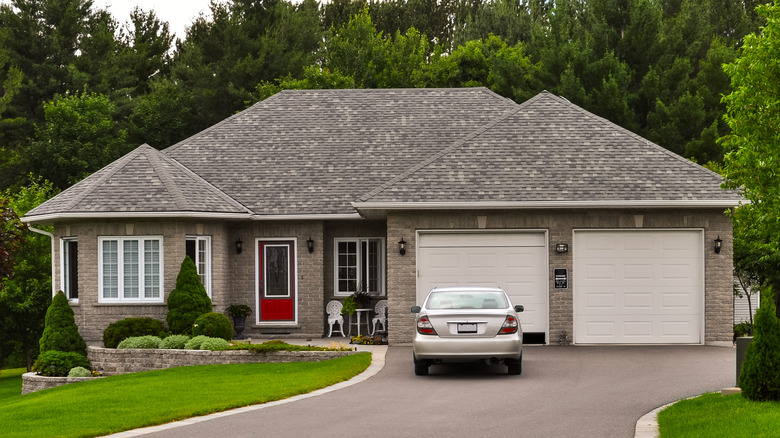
point(310, 245)
point(718, 244)
point(562, 248)
point(239, 246)
point(402, 246)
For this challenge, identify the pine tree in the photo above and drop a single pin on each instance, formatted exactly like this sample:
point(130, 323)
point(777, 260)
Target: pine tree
point(188, 301)
point(61, 332)
point(760, 374)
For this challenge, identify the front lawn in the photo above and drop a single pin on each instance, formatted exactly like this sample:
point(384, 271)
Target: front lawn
point(129, 401)
point(714, 415)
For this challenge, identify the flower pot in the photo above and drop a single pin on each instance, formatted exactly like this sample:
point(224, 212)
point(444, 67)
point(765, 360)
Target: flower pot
point(239, 324)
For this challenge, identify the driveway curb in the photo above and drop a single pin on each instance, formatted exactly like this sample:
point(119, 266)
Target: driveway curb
point(378, 353)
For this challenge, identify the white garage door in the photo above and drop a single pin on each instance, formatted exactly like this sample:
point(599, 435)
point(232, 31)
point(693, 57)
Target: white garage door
point(515, 262)
point(638, 287)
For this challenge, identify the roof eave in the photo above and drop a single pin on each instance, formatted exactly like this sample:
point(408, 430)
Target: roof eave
point(59, 217)
point(525, 205)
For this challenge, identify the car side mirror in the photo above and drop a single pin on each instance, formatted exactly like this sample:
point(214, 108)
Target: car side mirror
point(519, 308)
point(415, 309)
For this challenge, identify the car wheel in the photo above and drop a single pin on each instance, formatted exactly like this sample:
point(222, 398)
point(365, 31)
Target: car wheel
point(515, 368)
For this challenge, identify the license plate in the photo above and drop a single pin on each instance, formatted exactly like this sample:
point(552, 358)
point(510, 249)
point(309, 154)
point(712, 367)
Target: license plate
point(467, 328)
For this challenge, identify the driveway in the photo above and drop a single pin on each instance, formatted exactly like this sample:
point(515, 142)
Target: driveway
point(563, 392)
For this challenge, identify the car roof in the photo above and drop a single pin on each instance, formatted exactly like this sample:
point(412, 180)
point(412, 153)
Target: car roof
point(467, 289)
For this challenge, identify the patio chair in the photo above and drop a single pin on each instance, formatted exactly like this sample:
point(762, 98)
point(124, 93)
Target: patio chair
point(334, 316)
point(381, 316)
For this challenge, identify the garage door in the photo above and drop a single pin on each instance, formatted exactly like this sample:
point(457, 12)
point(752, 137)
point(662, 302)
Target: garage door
point(515, 262)
point(638, 287)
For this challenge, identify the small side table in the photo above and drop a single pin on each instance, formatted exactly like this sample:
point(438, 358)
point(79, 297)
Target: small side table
point(359, 313)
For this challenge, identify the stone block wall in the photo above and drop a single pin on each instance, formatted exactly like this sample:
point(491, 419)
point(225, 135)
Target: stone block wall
point(110, 361)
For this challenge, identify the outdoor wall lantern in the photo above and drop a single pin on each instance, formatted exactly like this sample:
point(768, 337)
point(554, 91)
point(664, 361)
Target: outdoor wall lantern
point(562, 248)
point(402, 246)
point(239, 246)
point(718, 244)
point(310, 245)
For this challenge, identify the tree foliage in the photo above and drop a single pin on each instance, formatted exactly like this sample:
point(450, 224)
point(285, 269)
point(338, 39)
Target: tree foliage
point(61, 332)
point(753, 146)
point(188, 300)
point(759, 377)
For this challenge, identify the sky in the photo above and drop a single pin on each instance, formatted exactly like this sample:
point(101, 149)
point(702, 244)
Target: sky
point(178, 13)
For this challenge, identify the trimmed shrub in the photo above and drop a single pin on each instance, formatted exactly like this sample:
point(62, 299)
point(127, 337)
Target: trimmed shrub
point(760, 374)
point(79, 372)
point(61, 332)
point(194, 343)
point(174, 342)
point(140, 342)
point(120, 330)
point(214, 325)
point(188, 300)
point(59, 363)
point(214, 344)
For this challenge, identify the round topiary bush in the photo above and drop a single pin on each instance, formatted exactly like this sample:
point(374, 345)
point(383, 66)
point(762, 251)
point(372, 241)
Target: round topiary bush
point(759, 377)
point(79, 372)
point(174, 342)
point(188, 300)
point(214, 344)
point(59, 363)
point(140, 342)
point(120, 330)
point(60, 332)
point(194, 343)
point(214, 325)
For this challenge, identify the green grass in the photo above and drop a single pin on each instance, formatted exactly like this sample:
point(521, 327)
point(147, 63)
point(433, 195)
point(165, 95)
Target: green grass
point(129, 401)
point(714, 415)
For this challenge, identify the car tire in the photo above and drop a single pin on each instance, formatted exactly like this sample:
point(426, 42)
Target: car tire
point(515, 368)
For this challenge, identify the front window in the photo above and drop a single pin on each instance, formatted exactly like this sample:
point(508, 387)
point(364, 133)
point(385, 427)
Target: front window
point(199, 250)
point(70, 268)
point(130, 269)
point(360, 266)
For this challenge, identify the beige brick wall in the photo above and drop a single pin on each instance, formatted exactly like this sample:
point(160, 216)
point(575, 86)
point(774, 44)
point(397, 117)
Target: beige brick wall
point(560, 225)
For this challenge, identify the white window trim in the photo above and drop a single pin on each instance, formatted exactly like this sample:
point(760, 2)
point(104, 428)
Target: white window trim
point(382, 268)
point(120, 263)
point(207, 239)
point(63, 280)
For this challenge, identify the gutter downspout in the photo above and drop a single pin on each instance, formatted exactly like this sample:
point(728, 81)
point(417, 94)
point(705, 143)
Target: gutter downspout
point(51, 236)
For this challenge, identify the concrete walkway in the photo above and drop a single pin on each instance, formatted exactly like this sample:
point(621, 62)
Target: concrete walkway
point(563, 392)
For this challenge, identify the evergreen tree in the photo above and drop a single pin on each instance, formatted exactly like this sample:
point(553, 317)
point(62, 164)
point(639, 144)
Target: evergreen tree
point(188, 300)
point(759, 377)
point(61, 332)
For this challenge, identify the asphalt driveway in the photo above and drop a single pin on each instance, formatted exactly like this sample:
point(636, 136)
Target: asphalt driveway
point(563, 392)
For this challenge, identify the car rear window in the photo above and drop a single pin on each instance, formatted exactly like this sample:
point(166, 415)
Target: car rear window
point(466, 300)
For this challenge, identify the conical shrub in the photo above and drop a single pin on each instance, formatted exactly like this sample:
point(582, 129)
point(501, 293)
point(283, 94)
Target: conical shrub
point(760, 374)
point(60, 332)
point(188, 301)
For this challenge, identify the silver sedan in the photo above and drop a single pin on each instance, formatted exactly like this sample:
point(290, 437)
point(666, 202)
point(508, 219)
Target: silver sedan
point(461, 324)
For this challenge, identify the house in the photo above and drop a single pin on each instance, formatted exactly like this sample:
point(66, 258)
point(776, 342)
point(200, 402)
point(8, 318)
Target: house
point(308, 196)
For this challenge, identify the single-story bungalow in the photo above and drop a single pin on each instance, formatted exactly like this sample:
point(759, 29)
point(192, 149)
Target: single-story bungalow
point(311, 196)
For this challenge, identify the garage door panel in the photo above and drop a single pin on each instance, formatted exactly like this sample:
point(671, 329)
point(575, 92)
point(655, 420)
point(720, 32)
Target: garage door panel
point(647, 283)
point(515, 262)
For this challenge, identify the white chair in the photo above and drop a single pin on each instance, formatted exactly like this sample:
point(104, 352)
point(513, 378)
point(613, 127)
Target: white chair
point(334, 316)
point(381, 316)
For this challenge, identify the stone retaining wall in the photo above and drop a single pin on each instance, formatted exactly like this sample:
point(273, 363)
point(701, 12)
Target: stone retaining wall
point(32, 382)
point(110, 361)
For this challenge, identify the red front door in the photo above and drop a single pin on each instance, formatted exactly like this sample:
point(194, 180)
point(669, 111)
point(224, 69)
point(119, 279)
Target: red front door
point(276, 288)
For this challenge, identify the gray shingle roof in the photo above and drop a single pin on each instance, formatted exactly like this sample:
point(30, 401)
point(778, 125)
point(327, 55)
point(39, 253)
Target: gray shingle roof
point(317, 152)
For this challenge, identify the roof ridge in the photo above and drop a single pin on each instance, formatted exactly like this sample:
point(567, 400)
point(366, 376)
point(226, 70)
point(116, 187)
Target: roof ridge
point(167, 180)
point(473, 134)
point(120, 164)
point(636, 136)
point(202, 180)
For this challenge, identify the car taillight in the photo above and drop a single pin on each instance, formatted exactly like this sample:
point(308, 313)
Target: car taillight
point(424, 326)
point(510, 326)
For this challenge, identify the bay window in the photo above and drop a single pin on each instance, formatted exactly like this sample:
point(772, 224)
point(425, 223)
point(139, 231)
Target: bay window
point(130, 269)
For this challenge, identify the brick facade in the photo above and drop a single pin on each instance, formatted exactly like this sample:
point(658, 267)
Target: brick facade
point(234, 276)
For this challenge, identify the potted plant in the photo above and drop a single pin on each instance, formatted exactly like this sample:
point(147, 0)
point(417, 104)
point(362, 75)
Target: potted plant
point(349, 305)
point(239, 312)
